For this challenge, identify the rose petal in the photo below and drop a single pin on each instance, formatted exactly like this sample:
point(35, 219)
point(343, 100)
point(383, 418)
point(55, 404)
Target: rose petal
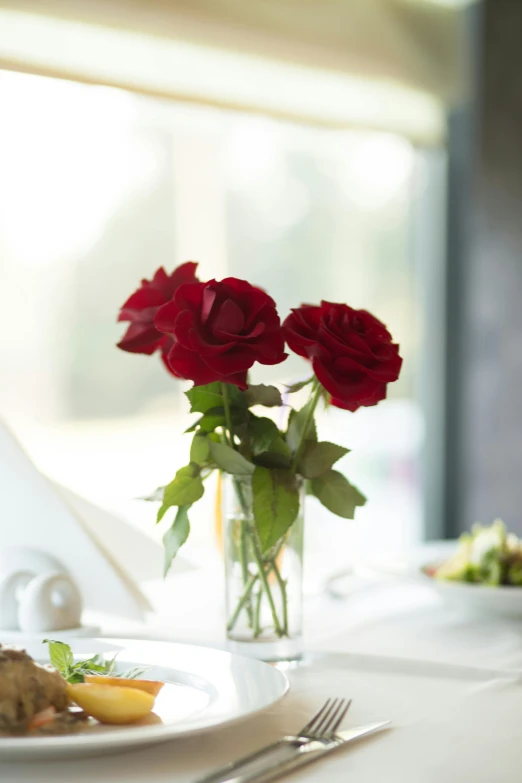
point(378, 395)
point(141, 338)
point(165, 318)
point(144, 297)
point(185, 273)
point(189, 365)
point(229, 320)
point(208, 299)
point(190, 295)
point(235, 361)
point(257, 331)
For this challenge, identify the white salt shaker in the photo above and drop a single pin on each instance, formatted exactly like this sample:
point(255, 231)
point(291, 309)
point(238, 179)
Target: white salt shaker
point(50, 602)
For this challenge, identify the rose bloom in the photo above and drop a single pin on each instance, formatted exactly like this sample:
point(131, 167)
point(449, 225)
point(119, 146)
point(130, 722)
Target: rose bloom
point(141, 307)
point(352, 352)
point(219, 329)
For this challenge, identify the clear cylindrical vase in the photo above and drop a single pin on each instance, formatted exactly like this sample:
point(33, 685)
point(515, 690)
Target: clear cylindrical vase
point(264, 589)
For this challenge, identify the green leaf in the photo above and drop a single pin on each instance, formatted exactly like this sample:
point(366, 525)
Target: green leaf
point(269, 396)
point(263, 432)
point(215, 417)
point(269, 459)
point(295, 387)
point(296, 426)
point(176, 536)
point(337, 494)
point(279, 455)
point(75, 676)
point(318, 458)
point(204, 398)
point(230, 460)
point(275, 503)
point(199, 450)
point(61, 656)
point(155, 496)
point(134, 672)
point(62, 659)
point(185, 489)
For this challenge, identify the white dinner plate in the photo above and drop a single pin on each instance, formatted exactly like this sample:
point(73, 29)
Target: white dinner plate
point(204, 689)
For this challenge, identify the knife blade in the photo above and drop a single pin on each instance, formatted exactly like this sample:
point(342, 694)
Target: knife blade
point(286, 755)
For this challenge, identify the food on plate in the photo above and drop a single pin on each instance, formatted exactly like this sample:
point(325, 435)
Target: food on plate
point(110, 704)
point(487, 555)
point(149, 686)
point(67, 694)
point(27, 689)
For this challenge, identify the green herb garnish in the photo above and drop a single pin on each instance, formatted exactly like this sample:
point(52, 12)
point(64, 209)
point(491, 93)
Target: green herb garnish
point(62, 659)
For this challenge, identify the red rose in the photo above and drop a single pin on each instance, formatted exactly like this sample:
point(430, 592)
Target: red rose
point(219, 330)
point(141, 307)
point(351, 351)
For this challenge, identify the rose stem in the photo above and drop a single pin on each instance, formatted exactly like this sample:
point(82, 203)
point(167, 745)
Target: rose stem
point(250, 586)
point(255, 546)
point(314, 399)
point(262, 575)
point(257, 614)
point(242, 524)
point(228, 417)
point(242, 601)
point(284, 597)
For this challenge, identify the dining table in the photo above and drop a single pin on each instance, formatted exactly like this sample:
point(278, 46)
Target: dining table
point(449, 682)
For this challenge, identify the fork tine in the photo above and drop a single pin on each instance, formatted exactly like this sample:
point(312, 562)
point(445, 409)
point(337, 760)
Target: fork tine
point(311, 723)
point(331, 717)
point(325, 720)
point(341, 717)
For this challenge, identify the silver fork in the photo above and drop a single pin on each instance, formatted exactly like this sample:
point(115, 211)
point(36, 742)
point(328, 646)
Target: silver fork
point(315, 738)
point(326, 721)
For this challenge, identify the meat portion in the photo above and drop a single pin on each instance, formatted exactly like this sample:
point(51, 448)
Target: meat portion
point(26, 688)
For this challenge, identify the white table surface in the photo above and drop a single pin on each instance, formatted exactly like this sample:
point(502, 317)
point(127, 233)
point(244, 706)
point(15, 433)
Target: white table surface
point(451, 685)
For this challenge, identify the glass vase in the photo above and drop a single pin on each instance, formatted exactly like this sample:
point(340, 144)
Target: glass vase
point(264, 596)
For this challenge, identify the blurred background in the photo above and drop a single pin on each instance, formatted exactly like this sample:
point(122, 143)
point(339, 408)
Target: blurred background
point(363, 151)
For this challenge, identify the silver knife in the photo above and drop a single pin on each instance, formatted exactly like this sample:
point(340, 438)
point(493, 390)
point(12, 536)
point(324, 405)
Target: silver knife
point(283, 756)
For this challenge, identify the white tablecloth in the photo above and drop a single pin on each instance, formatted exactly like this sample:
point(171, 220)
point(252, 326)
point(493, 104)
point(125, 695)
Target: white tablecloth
point(451, 686)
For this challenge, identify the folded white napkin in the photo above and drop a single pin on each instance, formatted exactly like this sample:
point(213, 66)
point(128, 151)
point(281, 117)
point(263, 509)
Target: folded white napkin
point(106, 556)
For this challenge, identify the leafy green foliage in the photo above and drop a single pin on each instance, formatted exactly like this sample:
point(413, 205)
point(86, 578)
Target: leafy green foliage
point(176, 536)
point(275, 503)
point(133, 673)
point(270, 459)
point(185, 489)
point(336, 493)
point(269, 396)
point(155, 496)
point(295, 387)
point(61, 657)
point(204, 398)
point(215, 417)
point(297, 423)
point(200, 449)
point(318, 458)
point(263, 432)
point(226, 458)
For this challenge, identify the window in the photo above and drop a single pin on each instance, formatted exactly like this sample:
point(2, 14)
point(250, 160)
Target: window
point(99, 187)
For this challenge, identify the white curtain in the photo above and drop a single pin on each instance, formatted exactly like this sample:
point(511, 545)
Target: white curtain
point(385, 64)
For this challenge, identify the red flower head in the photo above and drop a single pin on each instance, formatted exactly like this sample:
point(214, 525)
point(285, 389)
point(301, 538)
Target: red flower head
point(352, 353)
point(141, 307)
point(219, 330)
